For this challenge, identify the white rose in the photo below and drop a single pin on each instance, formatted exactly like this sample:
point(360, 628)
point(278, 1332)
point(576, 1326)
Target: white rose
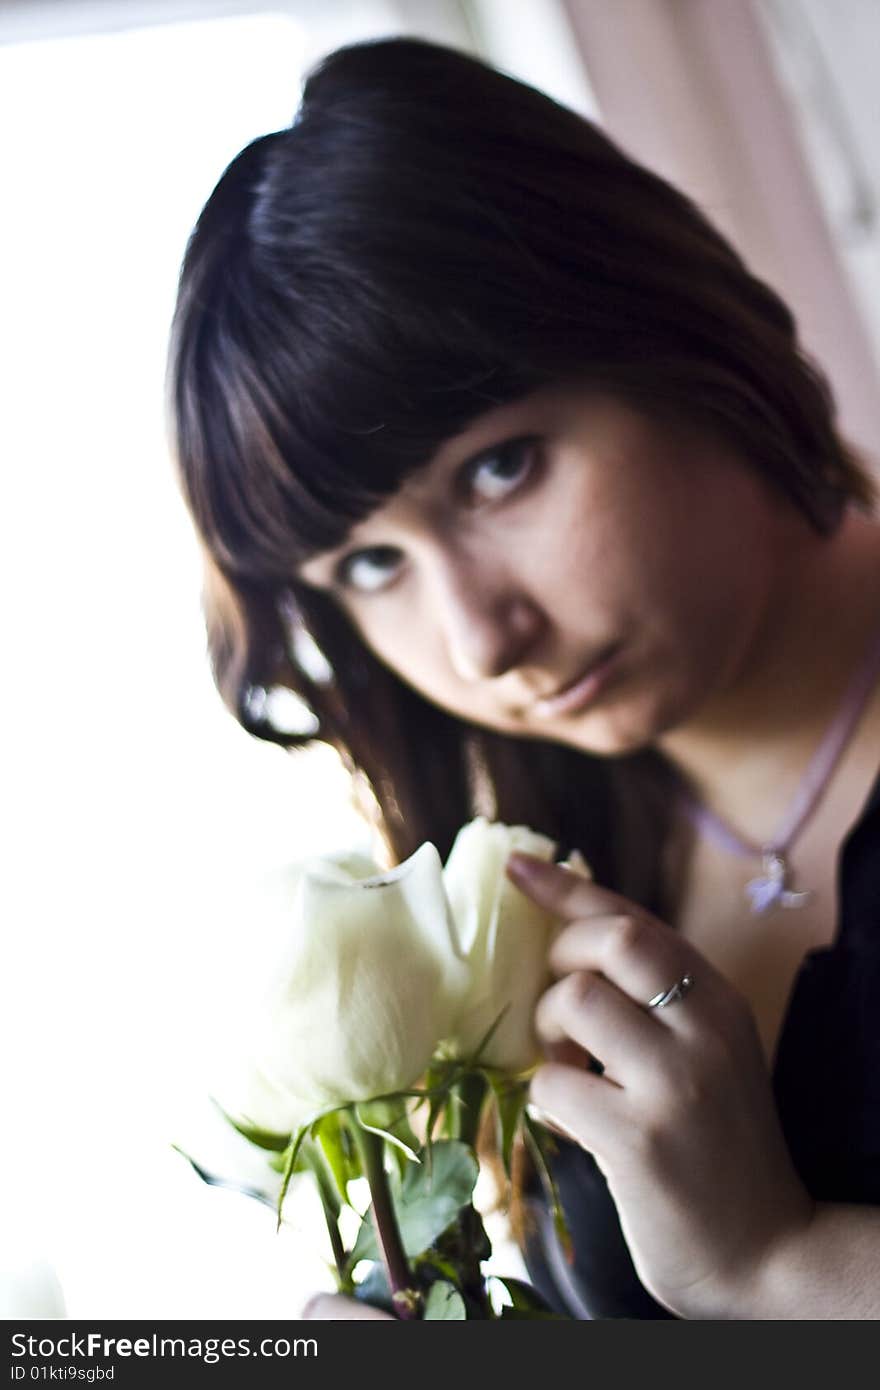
point(505, 938)
point(369, 982)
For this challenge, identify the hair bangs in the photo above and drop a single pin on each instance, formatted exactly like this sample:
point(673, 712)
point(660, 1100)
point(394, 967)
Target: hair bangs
point(314, 384)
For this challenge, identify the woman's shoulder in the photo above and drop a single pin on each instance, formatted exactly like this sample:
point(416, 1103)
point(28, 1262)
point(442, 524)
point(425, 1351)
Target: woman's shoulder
point(872, 805)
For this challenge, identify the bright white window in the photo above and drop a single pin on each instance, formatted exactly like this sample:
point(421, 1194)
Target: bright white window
point(141, 819)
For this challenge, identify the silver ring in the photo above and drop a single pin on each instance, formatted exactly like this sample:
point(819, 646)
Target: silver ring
point(671, 996)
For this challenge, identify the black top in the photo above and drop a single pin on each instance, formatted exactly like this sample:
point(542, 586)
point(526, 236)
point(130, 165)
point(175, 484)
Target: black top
point(826, 1079)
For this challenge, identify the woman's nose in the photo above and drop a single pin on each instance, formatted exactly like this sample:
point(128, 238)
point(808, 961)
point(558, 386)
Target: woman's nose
point(489, 625)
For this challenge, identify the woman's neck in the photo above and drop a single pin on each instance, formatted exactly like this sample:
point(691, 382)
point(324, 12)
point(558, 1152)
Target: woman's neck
point(746, 752)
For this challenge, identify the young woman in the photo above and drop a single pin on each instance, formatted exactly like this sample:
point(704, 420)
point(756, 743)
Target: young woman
point(507, 466)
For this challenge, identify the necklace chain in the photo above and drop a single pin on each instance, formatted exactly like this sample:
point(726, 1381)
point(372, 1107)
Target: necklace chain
point(772, 887)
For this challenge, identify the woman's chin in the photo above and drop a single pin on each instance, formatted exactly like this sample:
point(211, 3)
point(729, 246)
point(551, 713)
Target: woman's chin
point(616, 732)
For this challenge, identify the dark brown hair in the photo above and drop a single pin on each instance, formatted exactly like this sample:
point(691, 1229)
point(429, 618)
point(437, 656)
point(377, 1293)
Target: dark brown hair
point(429, 239)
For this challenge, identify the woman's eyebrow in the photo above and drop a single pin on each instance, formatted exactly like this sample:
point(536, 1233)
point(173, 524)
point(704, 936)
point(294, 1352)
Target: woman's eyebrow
point(499, 426)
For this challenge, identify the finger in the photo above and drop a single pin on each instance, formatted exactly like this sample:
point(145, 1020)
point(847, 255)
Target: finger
point(639, 955)
point(605, 1022)
point(578, 1104)
point(562, 892)
point(336, 1307)
point(568, 1052)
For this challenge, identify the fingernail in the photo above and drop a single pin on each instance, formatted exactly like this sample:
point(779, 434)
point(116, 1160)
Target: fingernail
point(536, 1113)
point(525, 866)
point(542, 1118)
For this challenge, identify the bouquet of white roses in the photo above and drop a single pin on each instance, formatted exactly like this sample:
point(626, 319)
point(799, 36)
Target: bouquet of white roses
point(400, 1012)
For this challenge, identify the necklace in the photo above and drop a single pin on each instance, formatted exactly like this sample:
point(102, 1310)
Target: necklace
point(772, 888)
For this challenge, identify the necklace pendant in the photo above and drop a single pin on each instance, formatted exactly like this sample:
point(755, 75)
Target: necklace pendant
point(770, 889)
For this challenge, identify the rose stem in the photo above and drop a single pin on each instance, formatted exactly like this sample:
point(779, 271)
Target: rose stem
point(371, 1148)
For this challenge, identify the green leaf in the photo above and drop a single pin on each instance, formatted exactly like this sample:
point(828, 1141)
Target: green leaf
point(523, 1298)
point(213, 1180)
point(312, 1156)
point(425, 1202)
point(291, 1156)
point(474, 1234)
point(444, 1304)
point(432, 1259)
point(510, 1099)
point(263, 1138)
point(331, 1133)
point(509, 1314)
point(471, 1091)
point(438, 1085)
point(387, 1117)
point(487, 1037)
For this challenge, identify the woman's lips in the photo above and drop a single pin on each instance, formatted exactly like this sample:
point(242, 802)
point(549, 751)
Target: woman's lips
point(581, 692)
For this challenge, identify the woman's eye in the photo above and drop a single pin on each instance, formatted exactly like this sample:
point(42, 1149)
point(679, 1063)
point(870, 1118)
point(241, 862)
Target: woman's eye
point(500, 471)
point(369, 570)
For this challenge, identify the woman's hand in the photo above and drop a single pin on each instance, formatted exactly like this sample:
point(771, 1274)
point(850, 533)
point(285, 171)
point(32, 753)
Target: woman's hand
point(682, 1120)
point(336, 1307)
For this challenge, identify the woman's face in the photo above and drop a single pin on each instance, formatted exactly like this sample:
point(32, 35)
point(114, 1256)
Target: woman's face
point(564, 534)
